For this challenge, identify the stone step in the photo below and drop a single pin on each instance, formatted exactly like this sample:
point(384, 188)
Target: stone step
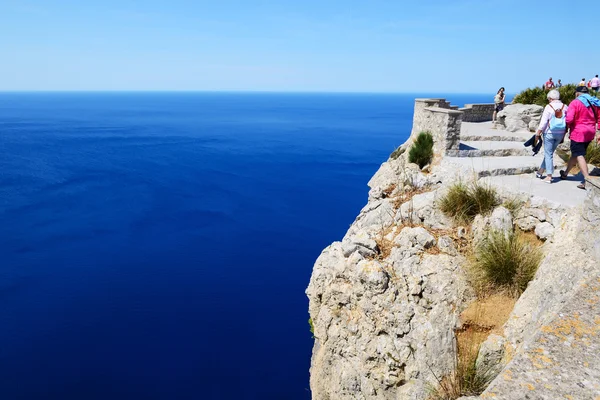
point(494, 166)
point(487, 131)
point(495, 138)
point(490, 149)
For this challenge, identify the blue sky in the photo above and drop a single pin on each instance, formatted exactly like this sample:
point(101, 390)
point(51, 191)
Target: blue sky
point(357, 46)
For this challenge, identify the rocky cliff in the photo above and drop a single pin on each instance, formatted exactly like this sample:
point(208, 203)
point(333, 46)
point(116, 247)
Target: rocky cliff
point(386, 301)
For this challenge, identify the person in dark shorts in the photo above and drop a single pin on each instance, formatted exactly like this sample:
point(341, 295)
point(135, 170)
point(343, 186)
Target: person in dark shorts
point(498, 103)
point(582, 120)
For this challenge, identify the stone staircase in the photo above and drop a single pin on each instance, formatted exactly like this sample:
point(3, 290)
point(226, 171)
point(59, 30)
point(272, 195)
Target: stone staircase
point(500, 157)
point(488, 152)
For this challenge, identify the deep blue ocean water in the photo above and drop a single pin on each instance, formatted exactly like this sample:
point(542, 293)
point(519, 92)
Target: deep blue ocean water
point(158, 245)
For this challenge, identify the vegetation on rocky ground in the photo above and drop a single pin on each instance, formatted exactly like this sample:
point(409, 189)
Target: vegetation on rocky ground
point(397, 153)
point(421, 151)
point(537, 95)
point(513, 205)
point(507, 261)
point(466, 378)
point(464, 201)
point(593, 154)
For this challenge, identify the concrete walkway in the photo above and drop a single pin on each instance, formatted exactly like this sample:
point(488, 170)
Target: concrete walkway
point(500, 158)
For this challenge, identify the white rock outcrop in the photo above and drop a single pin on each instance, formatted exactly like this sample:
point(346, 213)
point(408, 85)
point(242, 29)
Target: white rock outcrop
point(384, 325)
point(518, 117)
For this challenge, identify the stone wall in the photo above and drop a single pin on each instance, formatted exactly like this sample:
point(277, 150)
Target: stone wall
point(441, 119)
point(477, 112)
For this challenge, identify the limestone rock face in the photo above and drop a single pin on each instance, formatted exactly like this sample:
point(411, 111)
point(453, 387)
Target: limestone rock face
point(501, 220)
point(383, 326)
point(544, 230)
point(385, 301)
point(552, 333)
point(518, 117)
point(491, 354)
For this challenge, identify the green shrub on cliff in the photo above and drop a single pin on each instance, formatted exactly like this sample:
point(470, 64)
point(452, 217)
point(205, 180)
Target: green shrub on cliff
point(537, 95)
point(421, 151)
point(592, 156)
point(464, 201)
point(507, 261)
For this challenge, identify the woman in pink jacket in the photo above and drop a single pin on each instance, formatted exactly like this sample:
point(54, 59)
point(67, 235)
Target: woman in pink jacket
point(582, 120)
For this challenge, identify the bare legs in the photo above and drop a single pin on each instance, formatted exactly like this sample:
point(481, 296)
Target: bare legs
point(580, 160)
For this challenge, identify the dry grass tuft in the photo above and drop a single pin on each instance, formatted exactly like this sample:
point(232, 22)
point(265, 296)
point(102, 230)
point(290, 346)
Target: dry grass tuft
point(387, 192)
point(385, 245)
point(513, 205)
point(506, 262)
point(462, 244)
point(464, 201)
point(407, 194)
point(480, 319)
point(465, 379)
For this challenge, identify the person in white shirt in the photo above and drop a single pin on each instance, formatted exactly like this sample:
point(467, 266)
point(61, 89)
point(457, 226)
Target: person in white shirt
point(552, 135)
point(595, 83)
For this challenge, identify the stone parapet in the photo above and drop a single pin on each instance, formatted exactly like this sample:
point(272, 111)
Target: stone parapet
point(477, 112)
point(442, 120)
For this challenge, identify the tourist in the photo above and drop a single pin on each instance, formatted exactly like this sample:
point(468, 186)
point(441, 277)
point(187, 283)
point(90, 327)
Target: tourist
point(559, 84)
point(554, 126)
point(549, 84)
point(498, 103)
point(582, 120)
point(595, 83)
point(589, 84)
point(582, 83)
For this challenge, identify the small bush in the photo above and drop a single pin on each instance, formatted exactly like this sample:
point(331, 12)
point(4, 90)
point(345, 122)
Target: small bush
point(312, 327)
point(537, 95)
point(466, 379)
point(421, 151)
point(513, 205)
point(463, 202)
point(507, 261)
point(593, 154)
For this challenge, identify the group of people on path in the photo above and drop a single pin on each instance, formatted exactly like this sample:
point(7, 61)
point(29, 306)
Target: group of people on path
point(592, 84)
point(579, 119)
point(551, 85)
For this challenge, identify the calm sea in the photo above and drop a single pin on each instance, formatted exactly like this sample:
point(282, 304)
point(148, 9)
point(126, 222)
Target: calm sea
point(158, 245)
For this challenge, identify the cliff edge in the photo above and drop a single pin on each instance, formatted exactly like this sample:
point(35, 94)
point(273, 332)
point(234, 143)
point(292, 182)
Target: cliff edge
point(386, 301)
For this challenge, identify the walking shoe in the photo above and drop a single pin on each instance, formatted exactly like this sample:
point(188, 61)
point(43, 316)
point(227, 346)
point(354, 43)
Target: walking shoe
point(581, 185)
point(563, 175)
point(547, 179)
point(538, 175)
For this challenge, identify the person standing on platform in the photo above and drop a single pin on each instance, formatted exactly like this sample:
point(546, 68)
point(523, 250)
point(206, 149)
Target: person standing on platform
point(498, 103)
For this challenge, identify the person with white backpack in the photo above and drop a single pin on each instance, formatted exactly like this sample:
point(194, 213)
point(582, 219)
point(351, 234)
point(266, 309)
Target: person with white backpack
point(554, 126)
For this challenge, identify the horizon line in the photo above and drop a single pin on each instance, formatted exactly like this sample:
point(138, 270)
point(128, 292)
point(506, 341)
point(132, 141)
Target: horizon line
point(233, 91)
